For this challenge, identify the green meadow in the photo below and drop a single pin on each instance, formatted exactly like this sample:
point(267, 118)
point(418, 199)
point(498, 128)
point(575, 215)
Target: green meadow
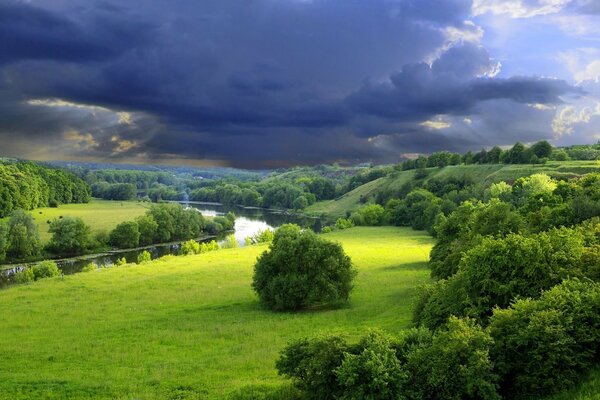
point(100, 215)
point(188, 327)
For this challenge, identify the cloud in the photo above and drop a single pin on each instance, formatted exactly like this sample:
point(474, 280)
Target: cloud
point(265, 83)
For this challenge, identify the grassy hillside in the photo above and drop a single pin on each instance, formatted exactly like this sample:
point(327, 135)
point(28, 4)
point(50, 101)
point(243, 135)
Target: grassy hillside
point(188, 327)
point(100, 215)
point(486, 173)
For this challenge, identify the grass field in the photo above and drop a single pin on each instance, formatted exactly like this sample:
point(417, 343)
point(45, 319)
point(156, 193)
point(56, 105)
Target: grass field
point(100, 215)
point(479, 173)
point(188, 327)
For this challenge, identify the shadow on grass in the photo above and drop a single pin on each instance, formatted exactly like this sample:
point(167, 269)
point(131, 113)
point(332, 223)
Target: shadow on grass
point(415, 266)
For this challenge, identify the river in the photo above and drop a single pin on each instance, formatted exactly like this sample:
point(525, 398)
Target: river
point(248, 222)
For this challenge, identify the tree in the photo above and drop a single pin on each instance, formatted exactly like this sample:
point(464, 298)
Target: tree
point(496, 271)
point(23, 237)
point(126, 235)
point(300, 203)
point(147, 228)
point(455, 366)
point(3, 240)
point(70, 236)
point(544, 345)
point(541, 149)
point(301, 270)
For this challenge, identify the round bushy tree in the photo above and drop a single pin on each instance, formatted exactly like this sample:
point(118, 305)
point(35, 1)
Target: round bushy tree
point(301, 270)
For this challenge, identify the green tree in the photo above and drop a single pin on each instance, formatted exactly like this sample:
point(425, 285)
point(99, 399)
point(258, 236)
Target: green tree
point(496, 271)
point(301, 270)
point(3, 240)
point(545, 345)
point(372, 370)
point(147, 228)
point(23, 237)
point(541, 149)
point(126, 235)
point(455, 366)
point(70, 236)
point(300, 203)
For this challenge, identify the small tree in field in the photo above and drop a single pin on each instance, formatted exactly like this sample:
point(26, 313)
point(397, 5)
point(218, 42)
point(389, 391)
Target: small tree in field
point(301, 270)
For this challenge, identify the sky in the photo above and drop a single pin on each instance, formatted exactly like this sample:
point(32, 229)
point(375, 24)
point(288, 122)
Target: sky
point(276, 83)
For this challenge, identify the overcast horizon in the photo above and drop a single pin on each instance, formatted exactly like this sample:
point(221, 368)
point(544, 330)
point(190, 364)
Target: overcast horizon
point(275, 83)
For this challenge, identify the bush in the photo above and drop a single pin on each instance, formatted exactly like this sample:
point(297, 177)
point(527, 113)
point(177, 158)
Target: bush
point(456, 365)
point(24, 276)
point(372, 370)
point(343, 223)
point(496, 271)
point(369, 215)
point(45, 269)
point(144, 257)
point(190, 247)
point(262, 236)
point(89, 267)
point(327, 229)
point(230, 242)
point(210, 246)
point(120, 262)
point(301, 270)
point(542, 346)
point(312, 364)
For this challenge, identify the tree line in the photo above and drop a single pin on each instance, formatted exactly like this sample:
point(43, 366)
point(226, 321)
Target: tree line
point(514, 311)
point(71, 236)
point(27, 185)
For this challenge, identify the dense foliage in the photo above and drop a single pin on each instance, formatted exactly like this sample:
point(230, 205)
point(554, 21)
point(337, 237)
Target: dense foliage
point(26, 185)
point(302, 270)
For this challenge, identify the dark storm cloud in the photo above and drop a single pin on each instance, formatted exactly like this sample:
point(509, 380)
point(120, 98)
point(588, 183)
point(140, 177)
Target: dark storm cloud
point(29, 32)
point(252, 83)
point(454, 84)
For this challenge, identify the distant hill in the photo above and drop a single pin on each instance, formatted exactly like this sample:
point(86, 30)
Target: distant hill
point(479, 173)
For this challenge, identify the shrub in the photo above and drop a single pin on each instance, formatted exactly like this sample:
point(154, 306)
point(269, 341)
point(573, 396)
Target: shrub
point(543, 345)
point(120, 262)
point(496, 271)
point(45, 269)
point(89, 267)
point(230, 242)
point(144, 257)
point(343, 223)
point(301, 270)
point(210, 246)
point(455, 366)
point(369, 215)
point(371, 370)
point(312, 364)
point(190, 247)
point(327, 229)
point(23, 276)
point(262, 236)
